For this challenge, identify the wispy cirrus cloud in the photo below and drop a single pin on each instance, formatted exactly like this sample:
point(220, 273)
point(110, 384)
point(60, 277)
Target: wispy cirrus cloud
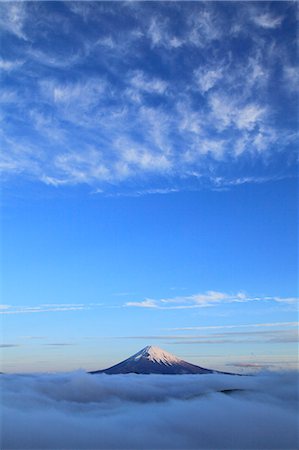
point(280, 336)
point(9, 345)
point(207, 79)
point(74, 98)
point(7, 65)
point(13, 18)
point(250, 325)
point(271, 333)
point(53, 60)
point(141, 193)
point(104, 111)
point(230, 113)
point(291, 77)
point(46, 308)
point(142, 82)
point(60, 344)
point(268, 20)
point(207, 299)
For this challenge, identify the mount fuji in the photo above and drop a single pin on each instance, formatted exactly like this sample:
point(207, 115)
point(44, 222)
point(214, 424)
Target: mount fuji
point(155, 360)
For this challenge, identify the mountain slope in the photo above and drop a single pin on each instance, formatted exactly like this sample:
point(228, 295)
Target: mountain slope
point(154, 360)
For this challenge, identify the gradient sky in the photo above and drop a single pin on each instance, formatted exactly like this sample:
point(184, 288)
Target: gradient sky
point(149, 183)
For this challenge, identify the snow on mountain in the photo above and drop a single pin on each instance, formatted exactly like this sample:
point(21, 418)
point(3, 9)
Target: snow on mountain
point(157, 355)
point(154, 360)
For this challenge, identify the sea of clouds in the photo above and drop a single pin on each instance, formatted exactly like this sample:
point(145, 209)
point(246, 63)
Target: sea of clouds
point(81, 411)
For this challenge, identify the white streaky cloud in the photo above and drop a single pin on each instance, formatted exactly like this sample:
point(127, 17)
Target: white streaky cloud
point(107, 41)
point(189, 120)
point(93, 165)
point(240, 145)
point(221, 182)
point(8, 165)
point(206, 79)
point(204, 27)
point(207, 299)
point(2, 346)
point(84, 10)
point(278, 336)
point(147, 303)
point(289, 300)
point(62, 304)
point(267, 20)
point(257, 364)
point(117, 43)
point(32, 310)
point(8, 96)
point(48, 126)
point(222, 110)
point(159, 191)
point(54, 181)
point(257, 72)
point(8, 65)
point(210, 296)
point(270, 335)
point(175, 42)
point(80, 104)
point(157, 34)
point(13, 18)
point(213, 147)
point(158, 125)
point(141, 193)
point(265, 137)
point(84, 94)
point(125, 158)
point(46, 308)
point(141, 81)
point(4, 307)
point(135, 158)
point(197, 300)
point(160, 34)
point(197, 144)
point(19, 158)
point(231, 112)
point(53, 59)
point(248, 325)
point(80, 167)
point(248, 117)
point(78, 410)
point(291, 76)
point(142, 123)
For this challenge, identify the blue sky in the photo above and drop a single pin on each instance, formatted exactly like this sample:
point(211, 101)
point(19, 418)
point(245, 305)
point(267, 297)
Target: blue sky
point(149, 183)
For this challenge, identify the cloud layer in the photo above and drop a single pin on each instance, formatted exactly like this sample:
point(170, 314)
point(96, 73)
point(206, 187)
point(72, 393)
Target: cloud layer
point(81, 411)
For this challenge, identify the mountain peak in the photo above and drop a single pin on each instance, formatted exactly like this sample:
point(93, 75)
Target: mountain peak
point(156, 354)
point(154, 360)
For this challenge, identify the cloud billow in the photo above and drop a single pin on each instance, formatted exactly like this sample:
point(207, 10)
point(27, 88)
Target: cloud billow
point(80, 411)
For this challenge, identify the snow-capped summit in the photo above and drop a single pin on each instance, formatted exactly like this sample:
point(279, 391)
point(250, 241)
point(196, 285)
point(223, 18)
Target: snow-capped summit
point(154, 360)
point(156, 354)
